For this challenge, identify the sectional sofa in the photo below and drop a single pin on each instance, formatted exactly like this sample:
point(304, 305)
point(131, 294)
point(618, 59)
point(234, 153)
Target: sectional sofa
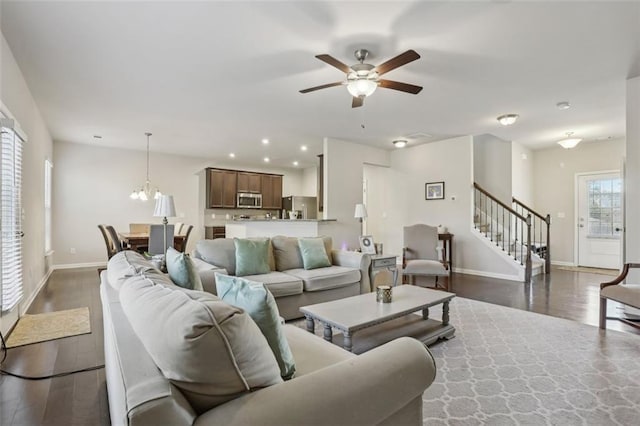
point(165, 346)
point(291, 285)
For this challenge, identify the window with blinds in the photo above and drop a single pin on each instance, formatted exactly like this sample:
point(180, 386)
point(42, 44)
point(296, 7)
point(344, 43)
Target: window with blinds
point(11, 221)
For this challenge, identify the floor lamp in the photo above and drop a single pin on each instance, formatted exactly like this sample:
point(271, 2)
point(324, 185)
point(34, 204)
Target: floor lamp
point(361, 215)
point(165, 208)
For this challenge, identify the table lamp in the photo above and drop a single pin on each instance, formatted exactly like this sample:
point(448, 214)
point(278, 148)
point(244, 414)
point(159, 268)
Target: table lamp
point(360, 214)
point(165, 208)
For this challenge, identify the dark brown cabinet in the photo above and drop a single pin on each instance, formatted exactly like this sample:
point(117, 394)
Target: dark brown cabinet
point(213, 232)
point(249, 182)
point(320, 183)
point(271, 192)
point(221, 188)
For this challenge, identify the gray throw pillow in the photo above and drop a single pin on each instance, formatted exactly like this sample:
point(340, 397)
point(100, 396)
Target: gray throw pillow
point(256, 300)
point(314, 253)
point(182, 270)
point(287, 253)
point(252, 256)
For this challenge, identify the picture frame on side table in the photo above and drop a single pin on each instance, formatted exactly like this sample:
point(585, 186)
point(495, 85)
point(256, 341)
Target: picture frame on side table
point(434, 191)
point(366, 244)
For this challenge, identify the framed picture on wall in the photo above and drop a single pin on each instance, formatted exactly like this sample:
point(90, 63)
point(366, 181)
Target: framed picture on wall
point(366, 244)
point(434, 191)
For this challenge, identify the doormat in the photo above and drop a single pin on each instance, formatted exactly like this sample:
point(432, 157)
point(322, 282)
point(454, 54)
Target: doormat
point(600, 271)
point(50, 326)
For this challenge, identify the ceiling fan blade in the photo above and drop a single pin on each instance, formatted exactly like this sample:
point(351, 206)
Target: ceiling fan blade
point(403, 87)
point(357, 101)
point(324, 86)
point(334, 63)
point(398, 61)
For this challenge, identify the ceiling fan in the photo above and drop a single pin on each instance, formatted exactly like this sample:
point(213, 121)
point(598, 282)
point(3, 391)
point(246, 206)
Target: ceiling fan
point(363, 79)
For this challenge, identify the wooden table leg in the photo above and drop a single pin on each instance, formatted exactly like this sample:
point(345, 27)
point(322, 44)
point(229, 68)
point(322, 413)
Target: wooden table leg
point(425, 314)
point(328, 334)
point(348, 345)
point(445, 313)
point(311, 325)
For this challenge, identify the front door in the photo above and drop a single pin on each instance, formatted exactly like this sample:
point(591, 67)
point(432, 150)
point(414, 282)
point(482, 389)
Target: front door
point(599, 220)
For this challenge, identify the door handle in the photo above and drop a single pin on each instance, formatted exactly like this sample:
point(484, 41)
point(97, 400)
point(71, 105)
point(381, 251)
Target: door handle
point(619, 229)
point(581, 226)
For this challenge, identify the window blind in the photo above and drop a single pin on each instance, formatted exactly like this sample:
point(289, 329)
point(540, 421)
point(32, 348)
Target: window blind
point(11, 220)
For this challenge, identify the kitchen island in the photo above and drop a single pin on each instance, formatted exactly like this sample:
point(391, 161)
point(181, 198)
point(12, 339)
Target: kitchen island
point(245, 228)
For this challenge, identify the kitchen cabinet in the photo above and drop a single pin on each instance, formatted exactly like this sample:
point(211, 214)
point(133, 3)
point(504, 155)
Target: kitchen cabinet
point(271, 192)
point(249, 182)
point(320, 183)
point(213, 232)
point(221, 188)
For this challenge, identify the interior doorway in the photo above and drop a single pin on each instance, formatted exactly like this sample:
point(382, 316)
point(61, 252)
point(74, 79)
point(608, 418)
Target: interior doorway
point(599, 219)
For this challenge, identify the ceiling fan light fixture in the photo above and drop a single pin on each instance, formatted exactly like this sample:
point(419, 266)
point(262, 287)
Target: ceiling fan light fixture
point(400, 143)
point(508, 119)
point(361, 87)
point(569, 142)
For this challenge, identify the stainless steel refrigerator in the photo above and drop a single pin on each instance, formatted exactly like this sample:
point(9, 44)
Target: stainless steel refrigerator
point(307, 207)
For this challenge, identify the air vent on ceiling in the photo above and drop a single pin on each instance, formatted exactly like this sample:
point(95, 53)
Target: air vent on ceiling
point(418, 135)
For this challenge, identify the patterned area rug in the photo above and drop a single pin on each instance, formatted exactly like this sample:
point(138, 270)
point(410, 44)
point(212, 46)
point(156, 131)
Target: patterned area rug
point(50, 326)
point(599, 271)
point(511, 367)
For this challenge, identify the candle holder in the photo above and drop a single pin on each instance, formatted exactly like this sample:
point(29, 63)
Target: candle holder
point(384, 294)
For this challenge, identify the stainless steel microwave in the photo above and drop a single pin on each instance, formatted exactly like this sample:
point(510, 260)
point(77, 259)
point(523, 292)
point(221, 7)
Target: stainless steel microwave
point(249, 201)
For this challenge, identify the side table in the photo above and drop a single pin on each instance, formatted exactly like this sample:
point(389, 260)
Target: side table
point(383, 262)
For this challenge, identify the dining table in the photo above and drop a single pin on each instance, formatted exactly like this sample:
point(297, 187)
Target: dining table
point(136, 240)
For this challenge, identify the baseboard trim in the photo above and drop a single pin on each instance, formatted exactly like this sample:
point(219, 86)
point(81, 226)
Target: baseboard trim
point(80, 265)
point(29, 301)
point(487, 274)
point(561, 263)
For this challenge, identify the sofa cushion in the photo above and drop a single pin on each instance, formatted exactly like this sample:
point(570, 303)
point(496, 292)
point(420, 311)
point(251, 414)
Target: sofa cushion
point(425, 267)
point(314, 253)
point(182, 270)
point(287, 253)
point(279, 283)
point(126, 264)
point(326, 278)
point(213, 352)
point(252, 256)
point(220, 252)
point(258, 302)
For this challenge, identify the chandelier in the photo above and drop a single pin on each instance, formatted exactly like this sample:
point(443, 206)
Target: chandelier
point(143, 193)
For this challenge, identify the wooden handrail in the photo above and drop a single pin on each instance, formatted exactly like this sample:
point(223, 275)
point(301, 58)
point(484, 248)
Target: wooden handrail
point(506, 207)
point(535, 213)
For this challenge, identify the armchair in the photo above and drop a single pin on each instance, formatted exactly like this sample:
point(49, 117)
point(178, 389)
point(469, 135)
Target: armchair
point(627, 294)
point(421, 255)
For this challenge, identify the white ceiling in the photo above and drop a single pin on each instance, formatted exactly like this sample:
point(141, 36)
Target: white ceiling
point(209, 78)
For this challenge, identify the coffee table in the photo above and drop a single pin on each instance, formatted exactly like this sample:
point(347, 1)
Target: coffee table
point(383, 321)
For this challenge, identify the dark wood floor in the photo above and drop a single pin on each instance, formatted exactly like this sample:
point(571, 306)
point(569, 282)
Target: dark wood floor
point(81, 399)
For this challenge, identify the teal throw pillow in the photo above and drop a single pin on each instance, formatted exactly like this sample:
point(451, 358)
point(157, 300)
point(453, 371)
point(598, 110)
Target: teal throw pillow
point(252, 256)
point(256, 300)
point(182, 270)
point(314, 254)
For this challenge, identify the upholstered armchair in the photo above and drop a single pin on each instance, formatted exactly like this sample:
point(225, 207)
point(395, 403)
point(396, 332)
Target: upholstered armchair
point(627, 294)
point(421, 255)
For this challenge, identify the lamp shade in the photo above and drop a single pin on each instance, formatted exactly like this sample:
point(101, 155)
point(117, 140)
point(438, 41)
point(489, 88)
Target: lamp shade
point(361, 212)
point(165, 207)
point(361, 87)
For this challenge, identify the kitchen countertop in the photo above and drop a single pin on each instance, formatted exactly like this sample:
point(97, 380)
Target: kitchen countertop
point(280, 220)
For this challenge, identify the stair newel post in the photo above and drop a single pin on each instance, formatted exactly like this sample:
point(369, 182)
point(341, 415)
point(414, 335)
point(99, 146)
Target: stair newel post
point(547, 258)
point(527, 270)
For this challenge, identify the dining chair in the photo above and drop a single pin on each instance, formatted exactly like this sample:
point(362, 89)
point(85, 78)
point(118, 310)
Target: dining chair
point(111, 240)
point(182, 245)
point(178, 228)
point(157, 239)
point(139, 228)
point(421, 255)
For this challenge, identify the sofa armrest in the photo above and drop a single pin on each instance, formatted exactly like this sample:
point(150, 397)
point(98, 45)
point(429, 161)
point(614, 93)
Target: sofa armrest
point(207, 273)
point(391, 376)
point(354, 259)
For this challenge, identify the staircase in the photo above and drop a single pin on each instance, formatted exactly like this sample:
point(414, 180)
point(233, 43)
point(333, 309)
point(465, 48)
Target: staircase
point(518, 231)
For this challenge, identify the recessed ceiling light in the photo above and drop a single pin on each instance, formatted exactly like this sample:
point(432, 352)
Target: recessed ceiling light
point(507, 119)
point(303, 148)
point(97, 137)
point(266, 159)
point(232, 155)
point(563, 105)
point(569, 142)
point(295, 163)
point(265, 141)
point(400, 143)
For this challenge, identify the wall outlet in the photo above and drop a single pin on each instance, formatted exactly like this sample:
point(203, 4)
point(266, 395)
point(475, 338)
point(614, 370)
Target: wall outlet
point(72, 250)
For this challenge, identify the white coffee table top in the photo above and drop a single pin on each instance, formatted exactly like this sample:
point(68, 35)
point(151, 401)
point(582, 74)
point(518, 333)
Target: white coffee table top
point(357, 312)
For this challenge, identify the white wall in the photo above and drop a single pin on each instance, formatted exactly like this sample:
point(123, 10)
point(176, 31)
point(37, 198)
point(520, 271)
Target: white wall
point(492, 166)
point(92, 185)
point(450, 161)
point(522, 173)
point(554, 172)
point(344, 162)
point(309, 182)
point(16, 97)
point(632, 188)
point(377, 199)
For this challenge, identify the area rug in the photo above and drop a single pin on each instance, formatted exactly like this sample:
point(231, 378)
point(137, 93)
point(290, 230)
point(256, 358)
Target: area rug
point(599, 271)
point(49, 326)
point(511, 367)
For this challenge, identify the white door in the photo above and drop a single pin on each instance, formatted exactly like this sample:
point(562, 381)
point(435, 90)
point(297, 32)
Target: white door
point(599, 220)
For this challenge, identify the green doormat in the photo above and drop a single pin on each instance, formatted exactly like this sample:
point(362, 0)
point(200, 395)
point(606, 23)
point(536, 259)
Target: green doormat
point(50, 326)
